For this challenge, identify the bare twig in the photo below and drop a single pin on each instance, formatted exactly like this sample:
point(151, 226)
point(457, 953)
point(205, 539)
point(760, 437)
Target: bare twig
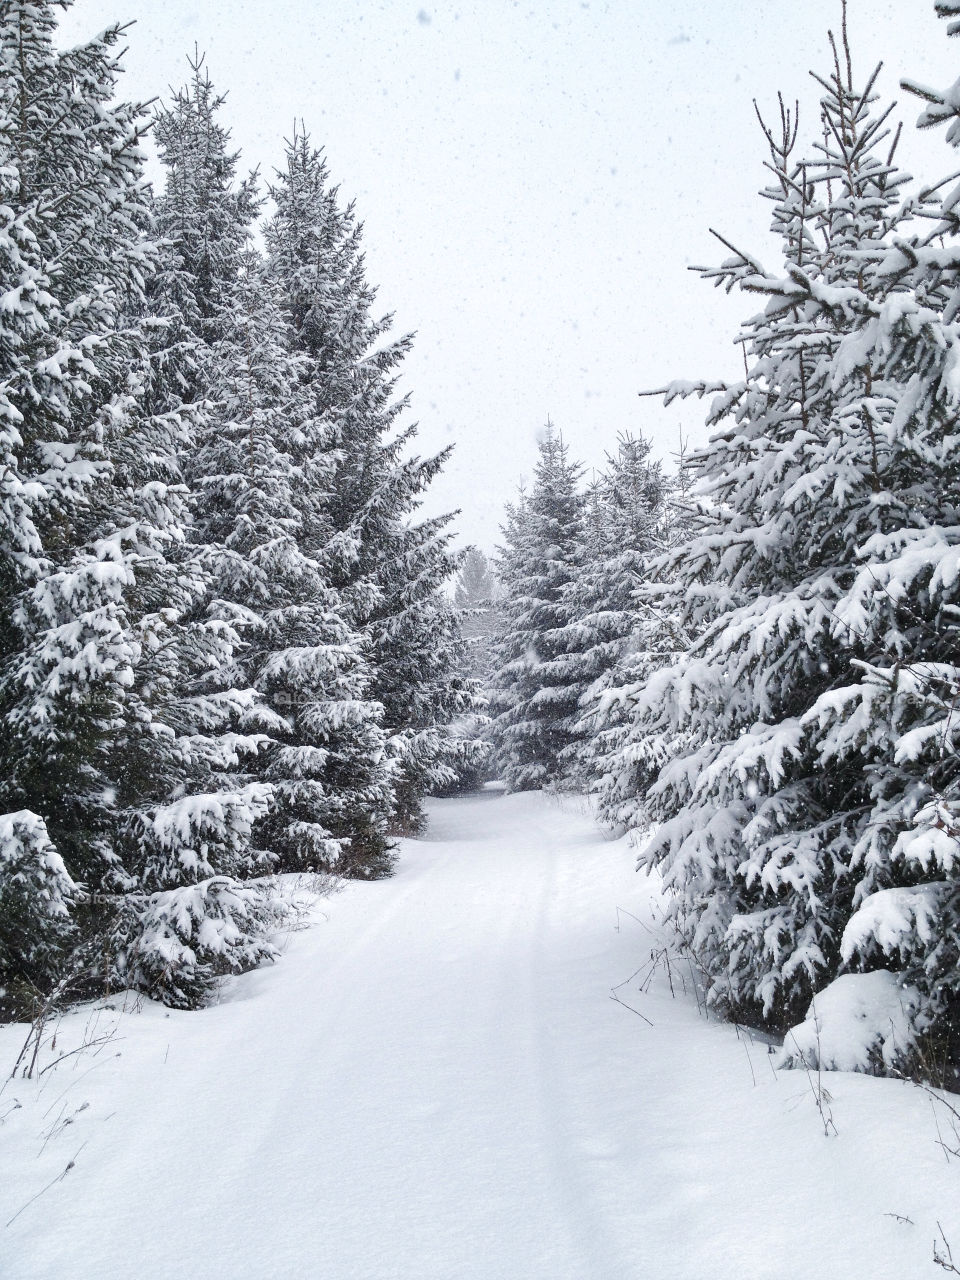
point(746, 1050)
point(945, 1259)
point(616, 999)
point(106, 1038)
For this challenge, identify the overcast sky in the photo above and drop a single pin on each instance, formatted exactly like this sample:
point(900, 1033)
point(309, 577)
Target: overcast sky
point(534, 178)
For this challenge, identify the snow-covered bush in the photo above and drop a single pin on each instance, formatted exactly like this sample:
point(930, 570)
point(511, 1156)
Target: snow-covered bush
point(175, 944)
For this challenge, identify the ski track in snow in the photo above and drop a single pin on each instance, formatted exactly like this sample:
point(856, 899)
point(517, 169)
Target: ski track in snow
point(433, 1084)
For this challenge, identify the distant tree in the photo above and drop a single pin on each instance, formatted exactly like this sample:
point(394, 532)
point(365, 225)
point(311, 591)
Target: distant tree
point(476, 585)
point(631, 518)
point(475, 595)
point(535, 692)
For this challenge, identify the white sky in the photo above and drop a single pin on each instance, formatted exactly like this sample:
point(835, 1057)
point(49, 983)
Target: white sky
point(534, 177)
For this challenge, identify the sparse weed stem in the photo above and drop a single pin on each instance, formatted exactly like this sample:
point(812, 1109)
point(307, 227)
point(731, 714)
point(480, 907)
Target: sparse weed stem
point(944, 1258)
point(47, 1007)
point(45, 1029)
point(946, 1119)
point(59, 1178)
point(674, 958)
point(821, 1095)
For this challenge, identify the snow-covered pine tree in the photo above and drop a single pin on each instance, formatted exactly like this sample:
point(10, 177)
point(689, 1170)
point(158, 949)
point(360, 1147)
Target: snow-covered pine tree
point(265, 473)
point(189, 815)
point(629, 522)
point(901, 312)
point(389, 567)
point(64, 660)
point(475, 595)
point(778, 801)
point(107, 729)
point(534, 701)
point(37, 898)
point(476, 586)
point(40, 373)
point(204, 218)
point(74, 252)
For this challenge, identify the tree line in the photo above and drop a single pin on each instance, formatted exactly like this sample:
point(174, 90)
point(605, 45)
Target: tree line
point(754, 665)
point(226, 645)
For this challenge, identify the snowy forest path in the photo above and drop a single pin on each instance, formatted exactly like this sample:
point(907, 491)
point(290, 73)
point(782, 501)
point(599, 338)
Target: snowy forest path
point(434, 1084)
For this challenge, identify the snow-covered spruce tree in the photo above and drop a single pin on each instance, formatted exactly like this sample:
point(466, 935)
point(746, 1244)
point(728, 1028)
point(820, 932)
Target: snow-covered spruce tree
point(40, 373)
point(72, 213)
point(628, 522)
point(780, 800)
point(389, 567)
point(182, 824)
point(37, 895)
point(476, 596)
point(534, 701)
point(105, 726)
point(265, 475)
point(476, 586)
point(203, 219)
point(190, 832)
point(905, 602)
point(623, 757)
point(261, 471)
point(418, 653)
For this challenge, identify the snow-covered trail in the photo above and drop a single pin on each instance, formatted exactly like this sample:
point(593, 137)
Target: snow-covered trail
point(434, 1083)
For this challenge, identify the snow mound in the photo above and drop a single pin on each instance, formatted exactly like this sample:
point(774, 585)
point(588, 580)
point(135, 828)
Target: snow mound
point(860, 1022)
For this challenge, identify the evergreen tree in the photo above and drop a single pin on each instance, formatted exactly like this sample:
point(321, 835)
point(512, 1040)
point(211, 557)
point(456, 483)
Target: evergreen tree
point(189, 814)
point(476, 596)
point(476, 585)
point(389, 568)
point(204, 218)
point(65, 659)
point(108, 727)
point(266, 475)
point(534, 702)
point(37, 898)
point(901, 315)
point(634, 519)
point(776, 800)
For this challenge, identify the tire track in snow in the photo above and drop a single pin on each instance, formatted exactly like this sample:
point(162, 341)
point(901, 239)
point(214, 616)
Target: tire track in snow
point(589, 1233)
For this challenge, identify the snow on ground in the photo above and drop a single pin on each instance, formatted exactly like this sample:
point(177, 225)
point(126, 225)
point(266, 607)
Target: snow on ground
point(434, 1084)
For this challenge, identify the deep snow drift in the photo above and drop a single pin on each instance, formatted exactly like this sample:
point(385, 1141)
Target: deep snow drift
point(434, 1084)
